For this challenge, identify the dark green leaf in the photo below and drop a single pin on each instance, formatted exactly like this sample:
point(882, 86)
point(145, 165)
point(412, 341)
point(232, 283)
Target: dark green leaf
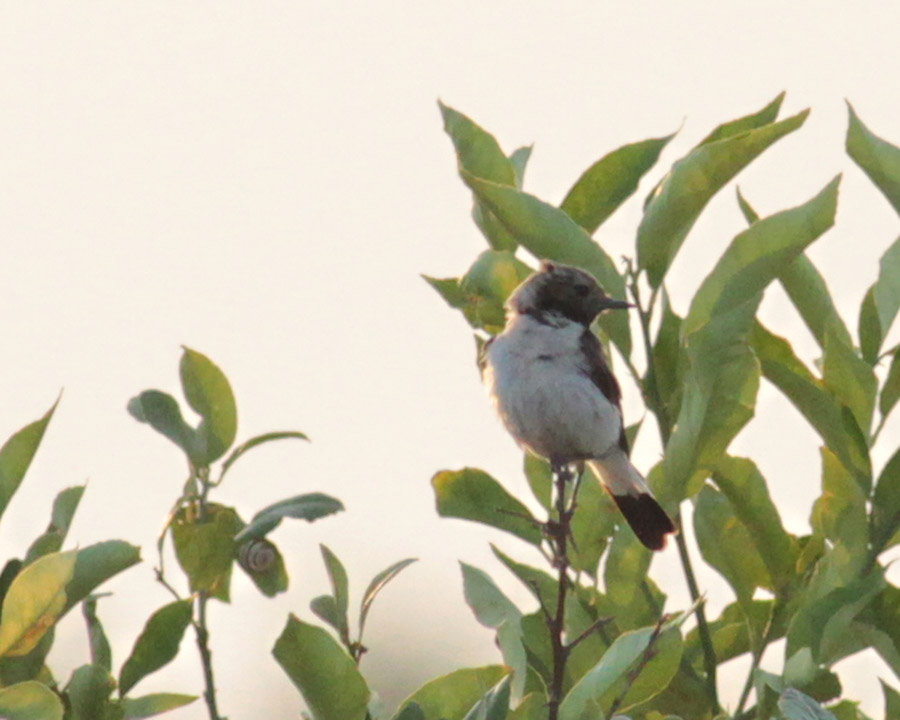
point(101, 655)
point(325, 608)
point(749, 122)
point(549, 233)
point(668, 359)
point(808, 291)
point(886, 506)
point(30, 700)
point(494, 705)
point(890, 391)
point(323, 672)
point(797, 706)
point(258, 440)
point(88, 692)
point(16, 455)
point(375, 587)
point(209, 394)
point(96, 564)
point(35, 601)
point(610, 181)
point(309, 507)
point(160, 410)
point(155, 704)
point(340, 590)
point(31, 666)
point(881, 304)
point(452, 696)
point(157, 644)
point(206, 549)
point(878, 158)
point(693, 180)
point(262, 561)
point(410, 711)
point(891, 701)
point(744, 486)
point(472, 494)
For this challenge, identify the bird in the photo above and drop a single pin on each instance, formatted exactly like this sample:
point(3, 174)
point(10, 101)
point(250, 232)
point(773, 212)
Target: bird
point(550, 383)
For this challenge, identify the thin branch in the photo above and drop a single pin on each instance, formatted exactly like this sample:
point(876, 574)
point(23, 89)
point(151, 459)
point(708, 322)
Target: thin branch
point(757, 657)
point(209, 694)
point(590, 630)
point(646, 657)
point(559, 531)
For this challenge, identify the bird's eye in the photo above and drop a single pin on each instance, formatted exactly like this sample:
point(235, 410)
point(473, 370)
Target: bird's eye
point(582, 290)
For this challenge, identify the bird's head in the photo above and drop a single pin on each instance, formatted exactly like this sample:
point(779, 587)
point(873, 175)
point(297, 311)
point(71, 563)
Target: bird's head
point(564, 290)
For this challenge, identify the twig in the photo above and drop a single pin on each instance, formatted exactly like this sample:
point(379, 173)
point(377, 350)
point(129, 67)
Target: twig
point(590, 630)
point(757, 657)
point(559, 534)
point(209, 694)
point(646, 657)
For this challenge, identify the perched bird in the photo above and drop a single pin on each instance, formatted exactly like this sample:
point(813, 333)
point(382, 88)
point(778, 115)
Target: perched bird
point(550, 382)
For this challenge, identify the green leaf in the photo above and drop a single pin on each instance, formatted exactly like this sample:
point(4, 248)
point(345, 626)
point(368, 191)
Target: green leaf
point(254, 442)
point(494, 705)
point(840, 511)
point(209, 394)
point(323, 672)
point(410, 712)
point(16, 455)
point(891, 700)
point(157, 644)
point(478, 153)
point(532, 707)
point(30, 666)
point(495, 274)
point(63, 510)
point(782, 368)
point(757, 255)
point(668, 365)
point(30, 700)
point(539, 583)
point(726, 544)
point(472, 494)
point(88, 692)
point(325, 607)
point(610, 181)
point(155, 704)
point(589, 696)
point(549, 233)
point(593, 523)
point(742, 483)
point(160, 410)
point(654, 677)
point(519, 160)
point(97, 563)
point(263, 563)
point(762, 117)
point(626, 567)
point(881, 304)
point(878, 158)
point(750, 215)
point(206, 549)
point(693, 180)
point(540, 479)
point(851, 380)
point(35, 601)
point(309, 507)
point(375, 587)
point(890, 391)
point(797, 706)
point(451, 696)
point(101, 655)
point(340, 589)
point(886, 506)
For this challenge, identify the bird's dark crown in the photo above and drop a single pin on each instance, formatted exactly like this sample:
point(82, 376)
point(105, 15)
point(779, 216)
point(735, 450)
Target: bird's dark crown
point(562, 290)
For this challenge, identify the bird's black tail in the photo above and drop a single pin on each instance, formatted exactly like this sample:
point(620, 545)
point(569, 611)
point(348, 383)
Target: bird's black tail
point(649, 521)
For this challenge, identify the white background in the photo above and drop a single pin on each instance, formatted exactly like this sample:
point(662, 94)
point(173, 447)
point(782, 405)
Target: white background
point(264, 182)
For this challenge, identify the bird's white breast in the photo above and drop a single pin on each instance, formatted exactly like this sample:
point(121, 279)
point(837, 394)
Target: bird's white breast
point(539, 382)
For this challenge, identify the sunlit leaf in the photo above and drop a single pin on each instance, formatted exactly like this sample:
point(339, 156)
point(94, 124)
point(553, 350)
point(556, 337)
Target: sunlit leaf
point(30, 701)
point(208, 392)
point(692, 182)
point(610, 181)
point(494, 705)
point(472, 494)
point(158, 643)
point(36, 599)
point(494, 275)
point(324, 673)
point(549, 233)
point(16, 455)
point(451, 696)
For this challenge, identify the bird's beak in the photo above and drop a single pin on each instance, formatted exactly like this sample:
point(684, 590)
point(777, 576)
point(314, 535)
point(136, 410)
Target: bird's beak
point(610, 304)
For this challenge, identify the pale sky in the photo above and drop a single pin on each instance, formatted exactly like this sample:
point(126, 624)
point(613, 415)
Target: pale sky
point(265, 182)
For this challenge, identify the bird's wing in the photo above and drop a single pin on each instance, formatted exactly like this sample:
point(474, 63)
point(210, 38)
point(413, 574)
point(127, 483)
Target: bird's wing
point(597, 369)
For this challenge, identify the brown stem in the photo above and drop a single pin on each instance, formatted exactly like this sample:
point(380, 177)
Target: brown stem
point(209, 694)
point(559, 535)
